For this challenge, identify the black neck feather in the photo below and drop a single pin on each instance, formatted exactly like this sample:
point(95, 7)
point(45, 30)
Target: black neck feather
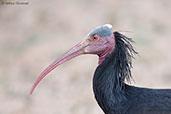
point(109, 77)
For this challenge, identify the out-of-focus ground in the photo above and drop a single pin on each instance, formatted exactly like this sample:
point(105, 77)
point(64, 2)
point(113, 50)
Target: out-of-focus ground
point(33, 36)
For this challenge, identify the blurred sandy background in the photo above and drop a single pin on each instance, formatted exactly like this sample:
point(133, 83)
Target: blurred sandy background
point(33, 36)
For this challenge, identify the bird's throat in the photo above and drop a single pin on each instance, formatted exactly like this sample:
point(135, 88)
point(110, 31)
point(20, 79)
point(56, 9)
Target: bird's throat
point(103, 56)
point(107, 52)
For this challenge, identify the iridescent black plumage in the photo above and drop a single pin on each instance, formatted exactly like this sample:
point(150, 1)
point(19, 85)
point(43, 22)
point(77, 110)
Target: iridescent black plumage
point(115, 61)
point(116, 97)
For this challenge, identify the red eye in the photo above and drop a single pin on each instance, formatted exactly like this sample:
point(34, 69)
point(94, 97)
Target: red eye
point(95, 37)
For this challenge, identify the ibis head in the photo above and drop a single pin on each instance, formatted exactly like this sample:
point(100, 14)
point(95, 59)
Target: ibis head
point(99, 41)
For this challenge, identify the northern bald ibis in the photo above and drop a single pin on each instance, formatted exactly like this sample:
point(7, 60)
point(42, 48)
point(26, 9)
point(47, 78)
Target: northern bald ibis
point(113, 95)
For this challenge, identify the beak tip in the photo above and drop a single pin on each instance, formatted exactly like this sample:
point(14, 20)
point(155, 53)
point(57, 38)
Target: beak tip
point(31, 91)
point(33, 88)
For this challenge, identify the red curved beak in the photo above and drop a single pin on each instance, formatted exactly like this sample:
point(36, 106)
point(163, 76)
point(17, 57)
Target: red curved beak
point(76, 50)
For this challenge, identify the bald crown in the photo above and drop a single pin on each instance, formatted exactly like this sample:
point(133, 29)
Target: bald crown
point(102, 31)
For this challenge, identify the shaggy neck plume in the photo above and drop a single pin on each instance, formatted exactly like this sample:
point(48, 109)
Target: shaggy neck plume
point(114, 68)
point(108, 50)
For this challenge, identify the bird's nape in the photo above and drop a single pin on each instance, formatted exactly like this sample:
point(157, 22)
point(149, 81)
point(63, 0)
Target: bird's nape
point(124, 53)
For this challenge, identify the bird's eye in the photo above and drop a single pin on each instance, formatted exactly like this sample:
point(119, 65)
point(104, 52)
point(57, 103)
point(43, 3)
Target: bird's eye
point(95, 37)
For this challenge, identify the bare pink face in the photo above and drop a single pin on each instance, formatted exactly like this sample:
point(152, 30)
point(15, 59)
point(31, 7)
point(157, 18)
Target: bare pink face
point(98, 45)
point(94, 44)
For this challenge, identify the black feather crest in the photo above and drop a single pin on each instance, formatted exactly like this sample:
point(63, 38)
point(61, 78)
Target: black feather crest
point(122, 59)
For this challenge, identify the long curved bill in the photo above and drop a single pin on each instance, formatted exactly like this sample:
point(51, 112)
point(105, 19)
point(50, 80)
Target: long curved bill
point(73, 52)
